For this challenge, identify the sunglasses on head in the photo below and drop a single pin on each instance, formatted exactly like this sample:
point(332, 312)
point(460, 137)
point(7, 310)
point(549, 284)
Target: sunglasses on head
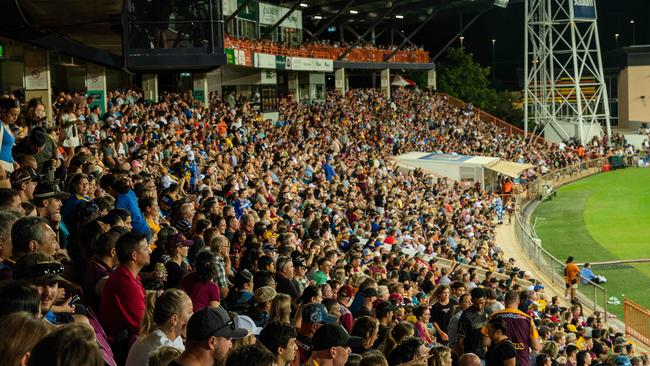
point(44, 269)
point(230, 323)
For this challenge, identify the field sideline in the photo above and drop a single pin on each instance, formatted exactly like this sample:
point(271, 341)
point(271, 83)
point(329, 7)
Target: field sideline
point(603, 218)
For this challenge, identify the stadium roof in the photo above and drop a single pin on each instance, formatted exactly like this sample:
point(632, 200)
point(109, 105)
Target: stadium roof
point(92, 29)
point(368, 11)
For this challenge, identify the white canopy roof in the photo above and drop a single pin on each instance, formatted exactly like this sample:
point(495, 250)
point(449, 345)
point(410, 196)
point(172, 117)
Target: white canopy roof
point(440, 164)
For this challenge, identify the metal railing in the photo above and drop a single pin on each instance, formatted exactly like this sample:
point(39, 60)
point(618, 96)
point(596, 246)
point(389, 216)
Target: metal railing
point(637, 321)
point(593, 295)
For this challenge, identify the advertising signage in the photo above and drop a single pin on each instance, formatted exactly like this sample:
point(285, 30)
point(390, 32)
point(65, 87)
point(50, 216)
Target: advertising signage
point(584, 9)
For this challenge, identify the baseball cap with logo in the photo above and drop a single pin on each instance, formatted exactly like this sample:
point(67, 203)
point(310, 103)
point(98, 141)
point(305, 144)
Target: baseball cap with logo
point(384, 307)
point(264, 294)
point(316, 313)
point(333, 335)
point(346, 291)
point(23, 175)
point(39, 269)
point(178, 240)
point(213, 322)
point(370, 292)
point(49, 190)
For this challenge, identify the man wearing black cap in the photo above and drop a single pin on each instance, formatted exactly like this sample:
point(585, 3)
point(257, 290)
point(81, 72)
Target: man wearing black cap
point(48, 200)
point(24, 181)
point(384, 312)
point(369, 296)
point(44, 273)
point(331, 346)
point(209, 335)
point(313, 317)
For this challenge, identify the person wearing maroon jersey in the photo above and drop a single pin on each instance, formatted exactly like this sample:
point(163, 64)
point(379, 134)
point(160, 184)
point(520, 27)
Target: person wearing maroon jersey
point(520, 328)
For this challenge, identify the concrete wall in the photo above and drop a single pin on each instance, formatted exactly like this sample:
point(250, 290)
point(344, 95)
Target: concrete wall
point(634, 96)
point(11, 75)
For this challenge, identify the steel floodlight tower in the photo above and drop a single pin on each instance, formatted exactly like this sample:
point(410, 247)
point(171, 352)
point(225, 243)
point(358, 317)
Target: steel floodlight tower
point(565, 91)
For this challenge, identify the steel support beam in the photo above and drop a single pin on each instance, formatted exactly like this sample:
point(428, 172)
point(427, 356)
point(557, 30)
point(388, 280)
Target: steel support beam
point(368, 30)
point(351, 30)
point(455, 37)
point(285, 16)
point(239, 9)
point(330, 20)
point(55, 42)
point(404, 37)
point(415, 31)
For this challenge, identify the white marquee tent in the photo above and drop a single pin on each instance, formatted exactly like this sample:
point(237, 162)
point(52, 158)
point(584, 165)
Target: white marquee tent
point(463, 168)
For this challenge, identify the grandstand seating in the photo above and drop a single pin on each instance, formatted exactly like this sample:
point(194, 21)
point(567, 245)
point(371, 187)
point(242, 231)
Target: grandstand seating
point(318, 50)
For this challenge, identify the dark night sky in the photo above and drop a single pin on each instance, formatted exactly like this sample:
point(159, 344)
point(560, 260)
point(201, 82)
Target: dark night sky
point(507, 27)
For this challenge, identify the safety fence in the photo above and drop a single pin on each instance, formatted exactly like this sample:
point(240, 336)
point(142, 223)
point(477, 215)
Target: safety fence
point(592, 295)
point(637, 321)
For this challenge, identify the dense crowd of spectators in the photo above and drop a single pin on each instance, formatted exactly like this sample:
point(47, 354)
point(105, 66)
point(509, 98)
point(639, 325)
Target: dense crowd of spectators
point(364, 52)
point(174, 233)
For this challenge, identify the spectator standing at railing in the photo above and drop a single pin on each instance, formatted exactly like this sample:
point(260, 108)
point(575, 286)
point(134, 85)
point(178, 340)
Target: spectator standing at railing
point(571, 275)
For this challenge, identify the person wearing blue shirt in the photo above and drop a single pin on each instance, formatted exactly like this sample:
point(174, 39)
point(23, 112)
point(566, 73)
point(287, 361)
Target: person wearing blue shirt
point(126, 199)
point(194, 173)
point(329, 171)
point(9, 112)
point(588, 275)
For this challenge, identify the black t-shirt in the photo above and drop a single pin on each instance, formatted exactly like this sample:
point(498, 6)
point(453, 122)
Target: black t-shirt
point(363, 311)
point(285, 286)
point(175, 274)
point(499, 352)
point(383, 330)
point(470, 325)
point(441, 314)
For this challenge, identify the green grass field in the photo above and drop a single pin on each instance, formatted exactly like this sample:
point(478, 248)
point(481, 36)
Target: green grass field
point(603, 218)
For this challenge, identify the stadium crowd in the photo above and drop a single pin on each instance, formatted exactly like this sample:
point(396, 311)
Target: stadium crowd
point(172, 233)
point(366, 52)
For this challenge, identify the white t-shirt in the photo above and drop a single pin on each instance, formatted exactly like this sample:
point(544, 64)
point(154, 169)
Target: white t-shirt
point(139, 353)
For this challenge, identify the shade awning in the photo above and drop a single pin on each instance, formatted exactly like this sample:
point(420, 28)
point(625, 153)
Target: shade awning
point(509, 168)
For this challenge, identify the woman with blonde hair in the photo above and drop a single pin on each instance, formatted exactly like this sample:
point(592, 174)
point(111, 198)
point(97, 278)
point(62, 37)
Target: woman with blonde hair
point(164, 324)
point(552, 349)
point(163, 356)
point(280, 309)
point(245, 322)
point(71, 344)
point(20, 333)
point(440, 356)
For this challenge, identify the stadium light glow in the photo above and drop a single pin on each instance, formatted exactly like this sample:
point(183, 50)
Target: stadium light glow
point(399, 16)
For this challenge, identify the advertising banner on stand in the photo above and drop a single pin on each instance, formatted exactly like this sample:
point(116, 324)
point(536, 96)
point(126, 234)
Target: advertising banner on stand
point(584, 9)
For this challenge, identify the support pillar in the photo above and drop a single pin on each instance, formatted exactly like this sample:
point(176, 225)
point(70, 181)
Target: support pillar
point(340, 81)
point(200, 87)
point(96, 86)
point(150, 87)
point(432, 80)
point(293, 84)
point(214, 82)
point(37, 78)
point(385, 82)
